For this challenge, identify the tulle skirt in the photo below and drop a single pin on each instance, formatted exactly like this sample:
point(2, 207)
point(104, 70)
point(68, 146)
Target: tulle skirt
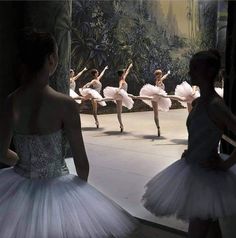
point(149, 90)
point(94, 94)
point(61, 207)
point(73, 94)
point(185, 91)
point(116, 94)
point(188, 192)
point(220, 91)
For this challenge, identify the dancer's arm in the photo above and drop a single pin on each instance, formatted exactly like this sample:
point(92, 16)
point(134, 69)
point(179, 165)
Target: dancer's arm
point(7, 156)
point(174, 97)
point(221, 115)
point(78, 75)
point(165, 76)
point(89, 84)
point(127, 71)
point(72, 126)
point(102, 73)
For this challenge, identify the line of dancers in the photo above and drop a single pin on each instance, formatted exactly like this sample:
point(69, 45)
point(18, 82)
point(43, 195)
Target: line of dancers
point(154, 96)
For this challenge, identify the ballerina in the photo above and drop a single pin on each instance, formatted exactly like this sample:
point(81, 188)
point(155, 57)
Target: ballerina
point(73, 78)
point(178, 189)
point(154, 96)
point(119, 95)
point(39, 187)
point(91, 91)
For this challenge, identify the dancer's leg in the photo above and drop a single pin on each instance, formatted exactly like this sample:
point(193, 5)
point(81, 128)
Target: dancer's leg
point(95, 109)
point(119, 111)
point(156, 117)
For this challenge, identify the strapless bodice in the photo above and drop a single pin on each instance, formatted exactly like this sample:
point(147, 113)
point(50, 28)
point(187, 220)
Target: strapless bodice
point(204, 135)
point(41, 156)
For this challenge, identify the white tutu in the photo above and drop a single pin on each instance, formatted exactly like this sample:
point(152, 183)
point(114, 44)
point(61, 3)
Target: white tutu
point(185, 91)
point(191, 192)
point(89, 91)
point(220, 91)
point(149, 90)
point(116, 94)
point(73, 94)
point(60, 207)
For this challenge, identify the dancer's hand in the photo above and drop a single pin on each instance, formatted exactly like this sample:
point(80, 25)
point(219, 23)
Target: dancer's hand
point(85, 69)
point(106, 67)
point(168, 72)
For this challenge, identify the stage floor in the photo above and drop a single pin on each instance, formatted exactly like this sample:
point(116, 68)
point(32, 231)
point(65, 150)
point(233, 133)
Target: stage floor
point(122, 163)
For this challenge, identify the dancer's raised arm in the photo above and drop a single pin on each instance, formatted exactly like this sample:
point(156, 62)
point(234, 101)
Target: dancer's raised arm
point(78, 75)
point(165, 76)
point(102, 73)
point(127, 71)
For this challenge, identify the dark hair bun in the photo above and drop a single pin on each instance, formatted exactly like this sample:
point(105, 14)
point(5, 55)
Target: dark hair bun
point(34, 47)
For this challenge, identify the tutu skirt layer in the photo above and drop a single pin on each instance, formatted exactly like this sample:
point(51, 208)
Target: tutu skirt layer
point(189, 192)
point(185, 91)
point(149, 90)
point(116, 94)
point(73, 94)
point(220, 91)
point(94, 94)
point(61, 207)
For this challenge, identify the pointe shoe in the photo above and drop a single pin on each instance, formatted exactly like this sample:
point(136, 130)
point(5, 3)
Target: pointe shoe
point(97, 124)
point(158, 132)
point(121, 129)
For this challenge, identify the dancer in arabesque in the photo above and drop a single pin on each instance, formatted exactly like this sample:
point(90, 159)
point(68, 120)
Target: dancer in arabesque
point(73, 79)
point(91, 91)
point(119, 94)
point(154, 96)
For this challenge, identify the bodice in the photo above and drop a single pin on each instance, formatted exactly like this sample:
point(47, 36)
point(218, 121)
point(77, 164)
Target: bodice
point(72, 84)
point(204, 135)
point(41, 156)
point(160, 85)
point(124, 86)
point(97, 85)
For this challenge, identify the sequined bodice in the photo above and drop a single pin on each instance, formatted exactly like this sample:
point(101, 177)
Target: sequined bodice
point(41, 156)
point(204, 135)
point(124, 86)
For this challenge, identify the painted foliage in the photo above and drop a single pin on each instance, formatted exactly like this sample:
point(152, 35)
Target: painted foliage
point(151, 34)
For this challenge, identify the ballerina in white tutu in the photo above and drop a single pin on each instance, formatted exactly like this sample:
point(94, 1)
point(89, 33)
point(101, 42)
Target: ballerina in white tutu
point(119, 95)
point(73, 78)
point(91, 91)
point(38, 196)
point(200, 187)
point(155, 97)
